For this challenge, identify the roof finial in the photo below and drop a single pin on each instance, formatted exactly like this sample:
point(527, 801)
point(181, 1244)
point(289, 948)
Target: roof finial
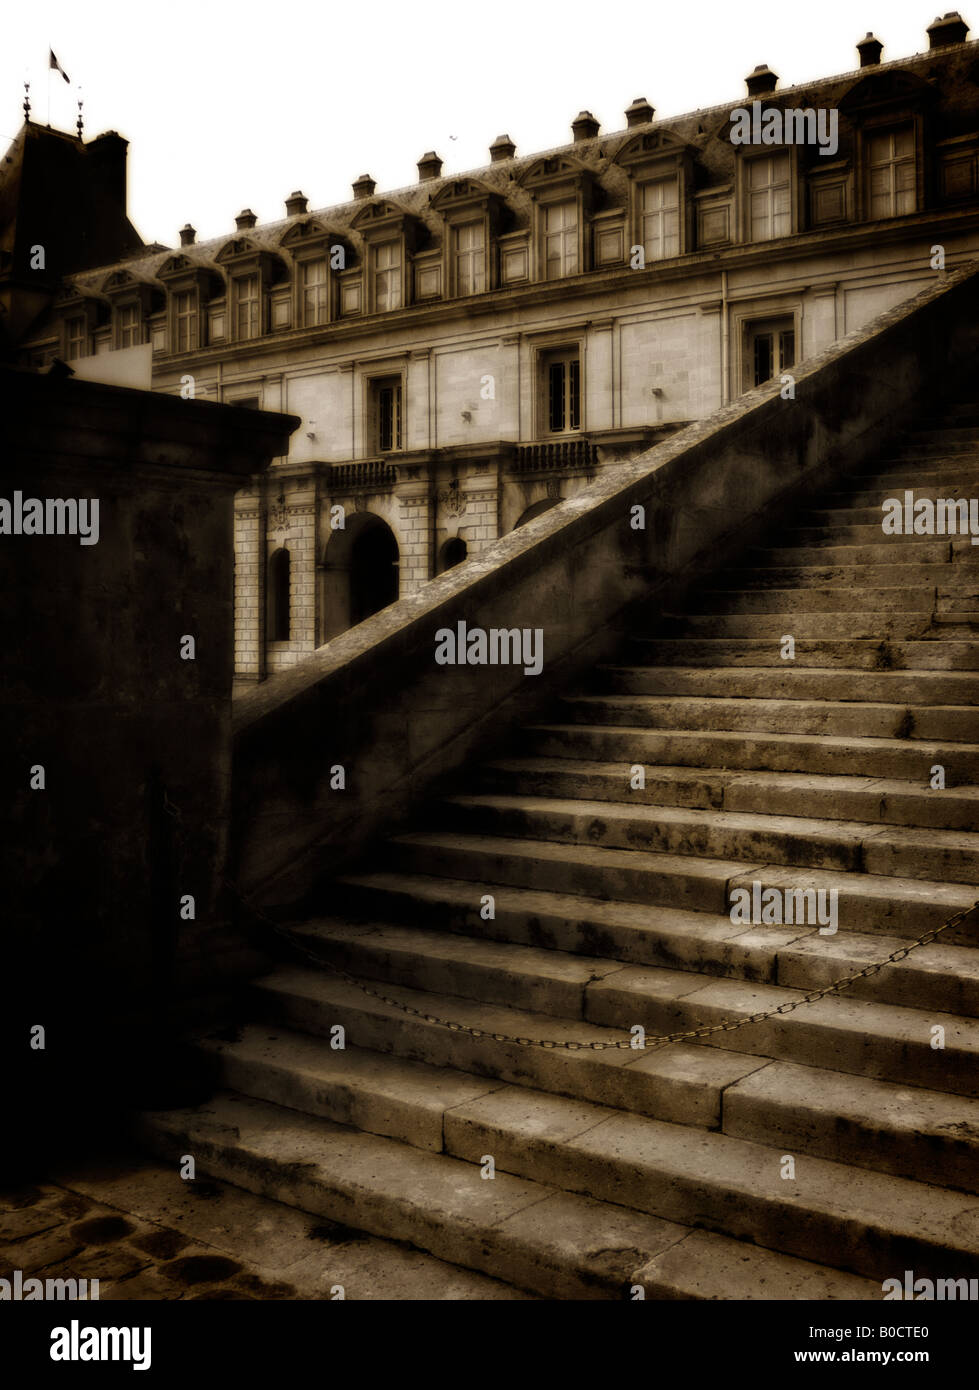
point(27, 102)
point(80, 123)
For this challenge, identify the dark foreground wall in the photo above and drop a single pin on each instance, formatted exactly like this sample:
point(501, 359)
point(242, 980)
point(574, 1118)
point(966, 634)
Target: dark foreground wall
point(375, 702)
point(133, 740)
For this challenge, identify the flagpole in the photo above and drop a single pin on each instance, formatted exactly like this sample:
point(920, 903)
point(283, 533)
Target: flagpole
point(50, 51)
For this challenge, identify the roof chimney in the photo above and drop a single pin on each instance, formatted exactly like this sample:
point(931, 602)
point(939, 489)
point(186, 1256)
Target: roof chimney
point(188, 235)
point(584, 127)
point(364, 186)
point(869, 50)
point(952, 28)
point(429, 167)
point(639, 113)
point(502, 148)
point(296, 203)
point(762, 82)
point(245, 220)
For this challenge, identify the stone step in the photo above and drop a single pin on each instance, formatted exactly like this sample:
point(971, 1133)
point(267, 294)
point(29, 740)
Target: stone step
point(817, 754)
point(876, 904)
point(854, 1036)
point(865, 654)
point(945, 576)
point(840, 718)
point(850, 846)
point(880, 1125)
point(899, 472)
point(904, 626)
point(871, 799)
point(793, 681)
point(553, 1243)
point(804, 599)
point(889, 550)
point(871, 496)
point(681, 1082)
point(937, 976)
point(872, 1223)
point(908, 1131)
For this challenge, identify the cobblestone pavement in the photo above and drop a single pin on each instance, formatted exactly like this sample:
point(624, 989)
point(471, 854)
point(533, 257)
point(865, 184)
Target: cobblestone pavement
point(144, 1233)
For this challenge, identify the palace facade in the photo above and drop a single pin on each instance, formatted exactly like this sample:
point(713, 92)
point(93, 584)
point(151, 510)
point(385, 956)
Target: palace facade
point(468, 351)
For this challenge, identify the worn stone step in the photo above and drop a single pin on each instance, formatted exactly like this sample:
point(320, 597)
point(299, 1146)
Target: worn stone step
point(945, 576)
point(906, 625)
point(793, 681)
point(909, 1131)
point(866, 654)
point(872, 799)
point(553, 1243)
point(679, 1082)
point(872, 1223)
point(850, 846)
point(860, 1037)
point(912, 550)
point(840, 717)
point(751, 751)
point(938, 976)
point(867, 902)
point(805, 599)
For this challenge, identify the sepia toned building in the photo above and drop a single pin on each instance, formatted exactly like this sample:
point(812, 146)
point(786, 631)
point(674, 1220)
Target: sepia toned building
point(468, 351)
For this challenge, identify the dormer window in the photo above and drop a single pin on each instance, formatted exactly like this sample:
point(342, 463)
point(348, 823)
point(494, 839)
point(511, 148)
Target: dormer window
point(659, 201)
point(76, 337)
point(891, 173)
point(560, 227)
point(247, 318)
point(768, 197)
point(314, 304)
point(386, 260)
point(469, 254)
point(185, 321)
point(130, 325)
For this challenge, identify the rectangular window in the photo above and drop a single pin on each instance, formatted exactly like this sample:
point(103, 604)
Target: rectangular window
point(892, 173)
point(185, 316)
point(562, 391)
point(387, 276)
point(386, 408)
point(560, 240)
point(130, 328)
point(769, 350)
point(470, 258)
point(247, 307)
point(312, 284)
point(660, 219)
point(769, 197)
point(75, 338)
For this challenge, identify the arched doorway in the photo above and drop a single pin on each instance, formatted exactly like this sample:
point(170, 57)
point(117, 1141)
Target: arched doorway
point(453, 552)
point(373, 572)
point(544, 505)
point(359, 575)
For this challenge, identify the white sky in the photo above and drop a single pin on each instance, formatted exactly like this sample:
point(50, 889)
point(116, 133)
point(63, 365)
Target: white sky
point(232, 105)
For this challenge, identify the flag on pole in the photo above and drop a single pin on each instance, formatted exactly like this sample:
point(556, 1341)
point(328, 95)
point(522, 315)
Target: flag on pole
point(53, 63)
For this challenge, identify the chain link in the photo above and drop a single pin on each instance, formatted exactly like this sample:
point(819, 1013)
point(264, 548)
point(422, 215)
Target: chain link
point(727, 1025)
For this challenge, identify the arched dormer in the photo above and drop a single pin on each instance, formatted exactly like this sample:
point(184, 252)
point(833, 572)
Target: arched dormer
point(133, 300)
point(890, 115)
point(473, 215)
point(324, 265)
point(562, 190)
point(391, 235)
point(251, 272)
point(659, 215)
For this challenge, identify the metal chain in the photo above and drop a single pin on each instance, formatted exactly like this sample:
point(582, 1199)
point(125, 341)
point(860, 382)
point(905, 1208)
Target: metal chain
point(727, 1025)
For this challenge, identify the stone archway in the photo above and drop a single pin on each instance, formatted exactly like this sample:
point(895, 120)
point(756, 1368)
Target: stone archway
point(359, 575)
point(544, 505)
point(453, 552)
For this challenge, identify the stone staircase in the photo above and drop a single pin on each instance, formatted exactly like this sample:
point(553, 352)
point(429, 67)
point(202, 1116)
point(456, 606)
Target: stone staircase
point(810, 1155)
